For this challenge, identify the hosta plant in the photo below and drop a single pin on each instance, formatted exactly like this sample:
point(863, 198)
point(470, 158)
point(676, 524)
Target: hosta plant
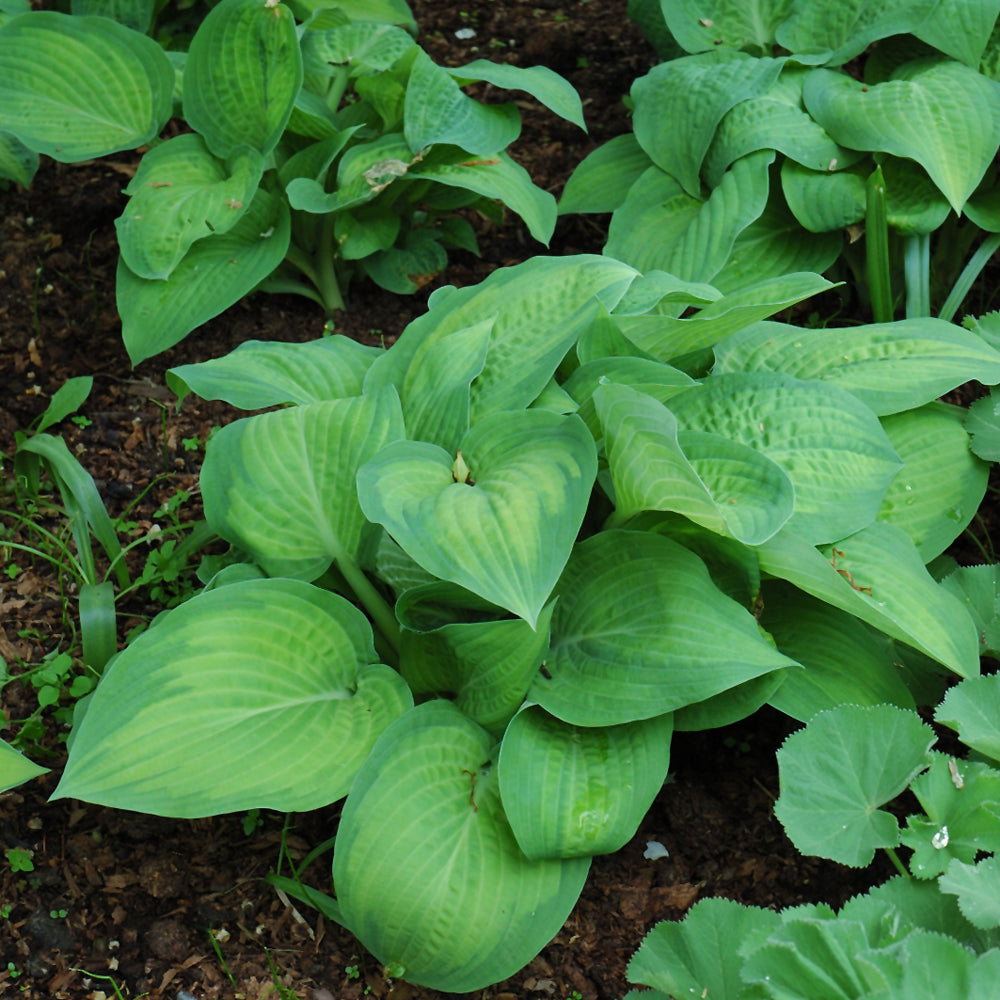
point(933, 931)
point(770, 141)
point(317, 147)
point(480, 577)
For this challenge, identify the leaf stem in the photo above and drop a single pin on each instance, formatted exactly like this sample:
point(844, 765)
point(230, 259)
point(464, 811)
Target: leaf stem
point(917, 273)
point(374, 603)
point(338, 84)
point(877, 246)
point(894, 858)
point(972, 270)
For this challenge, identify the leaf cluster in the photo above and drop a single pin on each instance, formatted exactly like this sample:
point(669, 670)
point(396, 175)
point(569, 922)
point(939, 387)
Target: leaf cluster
point(322, 143)
point(755, 139)
point(480, 577)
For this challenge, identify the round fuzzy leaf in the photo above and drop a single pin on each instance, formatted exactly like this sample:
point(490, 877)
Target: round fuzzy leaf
point(978, 890)
point(266, 693)
point(503, 529)
point(936, 111)
point(216, 272)
point(429, 876)
point(889, 366)
point(836, 774)
point(973, 709)
point(79, 87)
point(830, 445)
point(941, 485)
point(574, 791)
point(721, 484)
point(280, 485)
point(181, 193)
point(628, 634)
point(257, 375)
point(242, 76)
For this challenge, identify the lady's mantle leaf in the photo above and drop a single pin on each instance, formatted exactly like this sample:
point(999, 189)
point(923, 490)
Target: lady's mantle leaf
point(428, 873)
point(503, 530)
point(973, 707)
point(838, 771)
point(978, 890)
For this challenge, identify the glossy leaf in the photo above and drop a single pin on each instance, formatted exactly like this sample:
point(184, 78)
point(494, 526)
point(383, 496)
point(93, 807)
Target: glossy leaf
point(266, 693)
point(15, 768)
point(443, 846)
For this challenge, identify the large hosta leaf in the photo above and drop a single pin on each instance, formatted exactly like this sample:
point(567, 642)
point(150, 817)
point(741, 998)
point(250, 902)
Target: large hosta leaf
point(889, 366)
point(703, 25)
point(78, 87)
point(260, 374)
point(15, 768)
point(266, 693)
point(719, 483)
point(280, 485)
point(576, 791)
point(878, 576)
point(429, 876)
point(958, 111)
point(687, 98)
point(628, 634)
point(499, 518)
point(828, 443)
point(216, 272)
point(182, 193)
point(242, 75)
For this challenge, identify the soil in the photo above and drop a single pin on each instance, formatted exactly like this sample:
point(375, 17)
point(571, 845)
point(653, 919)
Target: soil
point(178, 909)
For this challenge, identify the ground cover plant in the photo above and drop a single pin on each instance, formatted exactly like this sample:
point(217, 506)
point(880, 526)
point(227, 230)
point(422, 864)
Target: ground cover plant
point(316, 148)
point(562, 558)
point(769, 143)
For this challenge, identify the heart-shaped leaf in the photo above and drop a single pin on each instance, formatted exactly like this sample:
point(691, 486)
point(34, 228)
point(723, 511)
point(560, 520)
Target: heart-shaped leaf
point(575, 791)
point(266, 693)
point(438, 855)
point(627, 634)
point(280, 485)
point(959, 115)
point(500, 518)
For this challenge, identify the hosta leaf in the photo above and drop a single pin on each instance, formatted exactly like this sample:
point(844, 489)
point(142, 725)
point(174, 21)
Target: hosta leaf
point(539, 309)
point(960, 28)
point(602, 178)
point(837, 773)
point(826, 441)
point(404, 268)
point(485, 667)
point(973, 709)
point(701, 955)
point(960, 799)
point(978, 890)
point(718, 483)
point(15, 768)
point(846, 661)
point(464, 907)
point(367, 45)
point(242, 76)
point(702, 25)
point(502, 529)
point(890, 367)
point(137, 14)
point(823, 201)
point(661, 227)
point(878, 576)
point(260, 374)
point(626, 634)
point(79, 87)
point(17, 162)
point(266, 693)
point(280, 485)
point(941, 485)
point(438, 112)
point(543, 84)
point(775, 120)
point(835, 31)
point(958, 109)
point(573, 791)
point(495, 175)
point(216, 272)
point(182, 193)
point(688, 97)
point(666, 337)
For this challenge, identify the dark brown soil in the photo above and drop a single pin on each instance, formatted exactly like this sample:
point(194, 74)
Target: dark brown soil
point(136, 898)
